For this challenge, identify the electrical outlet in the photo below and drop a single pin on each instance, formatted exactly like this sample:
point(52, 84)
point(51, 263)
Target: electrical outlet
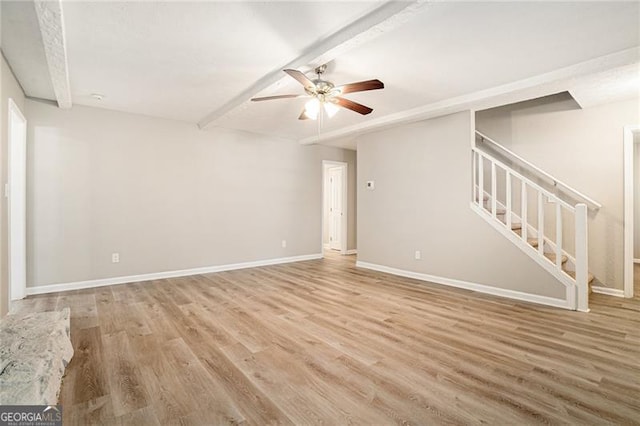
point(418, 255)
point(115, 257)
point(284, 243)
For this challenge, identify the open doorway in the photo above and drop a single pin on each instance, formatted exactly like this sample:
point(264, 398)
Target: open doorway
point(334, 206)
point(631, 205)
point(15, 191)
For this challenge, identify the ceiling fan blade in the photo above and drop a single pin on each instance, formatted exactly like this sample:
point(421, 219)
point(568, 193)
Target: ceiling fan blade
point(353, 106)
point(361, 86)
point(300, 77)
point(269, 98)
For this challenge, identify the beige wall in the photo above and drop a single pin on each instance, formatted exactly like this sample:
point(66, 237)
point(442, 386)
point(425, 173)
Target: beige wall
point(163, 194)
point(9, 89)
point(583, 148)
point(421, 199)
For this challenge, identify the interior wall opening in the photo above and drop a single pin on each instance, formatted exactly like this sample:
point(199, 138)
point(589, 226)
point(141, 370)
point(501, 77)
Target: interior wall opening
point(15, 191)
point(334, 206)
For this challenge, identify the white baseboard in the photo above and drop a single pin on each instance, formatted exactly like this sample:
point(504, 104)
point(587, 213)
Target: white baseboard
point(480, 288)
point(52, 288)
point(352, 251)
point(608, 291)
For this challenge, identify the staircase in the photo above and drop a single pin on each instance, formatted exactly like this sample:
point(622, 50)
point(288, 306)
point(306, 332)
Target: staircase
point(545, 218)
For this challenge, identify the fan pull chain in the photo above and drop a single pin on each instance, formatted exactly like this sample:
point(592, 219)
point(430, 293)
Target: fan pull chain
point(320, 120)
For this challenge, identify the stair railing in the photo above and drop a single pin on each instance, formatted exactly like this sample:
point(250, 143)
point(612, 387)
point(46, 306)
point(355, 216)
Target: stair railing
point(572, 192)
point(484, 165)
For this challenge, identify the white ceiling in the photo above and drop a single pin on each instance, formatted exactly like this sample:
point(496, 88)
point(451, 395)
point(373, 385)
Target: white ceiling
point(185, 60)
point(22, 46)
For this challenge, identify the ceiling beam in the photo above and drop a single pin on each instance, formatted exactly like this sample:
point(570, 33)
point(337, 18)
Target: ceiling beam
point(563, 79)
point(51, 23)
point(384, 18)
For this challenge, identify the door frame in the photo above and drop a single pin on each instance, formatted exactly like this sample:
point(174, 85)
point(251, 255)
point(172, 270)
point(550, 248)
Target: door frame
point(17, 290)
point(327, 164)
point(629, 132)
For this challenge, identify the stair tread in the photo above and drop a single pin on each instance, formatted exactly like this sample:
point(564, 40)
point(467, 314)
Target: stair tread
point(516, 226)
point(552, 257)
point(532, 241)
point(499, 210)
point(518, 231)
point(572, 274)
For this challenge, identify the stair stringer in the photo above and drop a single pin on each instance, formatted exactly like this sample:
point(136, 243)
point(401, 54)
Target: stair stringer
point(570, 265)
point(570, 301)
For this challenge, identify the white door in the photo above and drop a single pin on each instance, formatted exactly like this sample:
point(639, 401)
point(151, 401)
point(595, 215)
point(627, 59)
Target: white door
point(16, 193)
point(335, 208)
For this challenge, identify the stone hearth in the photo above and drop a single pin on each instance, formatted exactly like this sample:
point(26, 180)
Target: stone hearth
point(35, 349)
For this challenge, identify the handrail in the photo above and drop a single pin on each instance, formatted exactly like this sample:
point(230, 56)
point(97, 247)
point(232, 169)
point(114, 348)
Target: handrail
point(577, 293)
point(556, 182)
point(520, 177)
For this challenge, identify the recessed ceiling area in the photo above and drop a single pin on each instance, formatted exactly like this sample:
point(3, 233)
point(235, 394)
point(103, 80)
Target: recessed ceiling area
point(188, 60)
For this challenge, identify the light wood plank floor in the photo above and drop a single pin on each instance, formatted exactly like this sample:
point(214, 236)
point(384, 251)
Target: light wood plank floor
point(324, 342)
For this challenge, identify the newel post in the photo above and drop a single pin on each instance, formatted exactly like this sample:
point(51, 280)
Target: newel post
point(582, 261)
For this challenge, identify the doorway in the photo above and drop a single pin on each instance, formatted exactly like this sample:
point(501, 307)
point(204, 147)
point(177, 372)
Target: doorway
point(631, 142)
point(15, 191)
point(334, 206)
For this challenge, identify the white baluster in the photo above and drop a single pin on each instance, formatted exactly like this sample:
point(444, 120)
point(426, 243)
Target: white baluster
point(494, 195)
point(508, 206)
point(558, 235)
point(540, 223)
point(481, 180)
point(523, 213)
point(474, 179)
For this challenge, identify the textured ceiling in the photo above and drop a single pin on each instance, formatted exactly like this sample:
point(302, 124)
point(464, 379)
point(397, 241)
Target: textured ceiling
point(451, 49)
point(185, 60)
point(23, 48)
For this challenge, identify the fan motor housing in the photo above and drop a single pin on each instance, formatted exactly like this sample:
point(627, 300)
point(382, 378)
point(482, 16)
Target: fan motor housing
point(322, 87)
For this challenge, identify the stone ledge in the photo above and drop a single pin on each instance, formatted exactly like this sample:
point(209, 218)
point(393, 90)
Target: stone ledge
point(34, 352)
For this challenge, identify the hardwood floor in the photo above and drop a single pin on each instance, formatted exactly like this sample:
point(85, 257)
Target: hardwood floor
point(324, 342)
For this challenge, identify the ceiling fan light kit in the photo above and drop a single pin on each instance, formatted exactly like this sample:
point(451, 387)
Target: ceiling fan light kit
point(325, 95)
point(312, 108)
point(331, 109)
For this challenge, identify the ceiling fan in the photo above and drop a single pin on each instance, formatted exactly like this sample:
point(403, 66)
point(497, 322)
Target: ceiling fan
point(326, 95)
